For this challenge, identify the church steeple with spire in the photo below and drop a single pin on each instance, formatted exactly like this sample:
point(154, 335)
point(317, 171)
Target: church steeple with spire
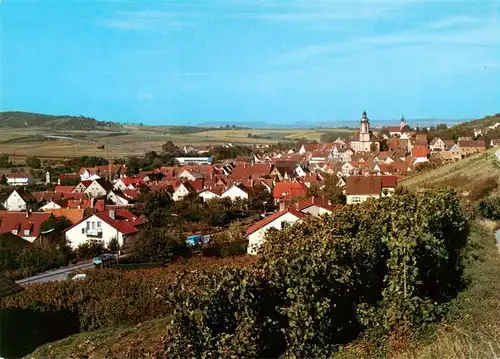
point(402, 123)
point(364, 133)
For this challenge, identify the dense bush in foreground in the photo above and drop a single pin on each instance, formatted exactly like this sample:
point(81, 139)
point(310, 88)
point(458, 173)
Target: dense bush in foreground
point(386, 265)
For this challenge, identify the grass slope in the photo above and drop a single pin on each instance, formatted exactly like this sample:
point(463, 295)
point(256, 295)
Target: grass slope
point(467, 175)
point(473, 326)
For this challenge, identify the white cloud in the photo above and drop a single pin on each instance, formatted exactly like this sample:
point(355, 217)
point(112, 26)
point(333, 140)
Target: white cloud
point(144, 96)
point(482, 33)
point(150, 20)
point(314, 11)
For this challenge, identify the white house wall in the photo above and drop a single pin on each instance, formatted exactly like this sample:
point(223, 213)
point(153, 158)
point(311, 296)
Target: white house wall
point(94, 190)
point(75, 236)
point(256, 239)
point(15, 202)
point(234, 193)
point(180, 193)
point(19, 181)
point(50, 205)
point(316, 211)
point(207, 195)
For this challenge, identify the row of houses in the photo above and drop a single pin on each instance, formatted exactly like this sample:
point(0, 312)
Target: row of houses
point(119, 224)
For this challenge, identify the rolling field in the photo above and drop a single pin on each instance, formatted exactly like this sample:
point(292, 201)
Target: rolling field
point(135, 140)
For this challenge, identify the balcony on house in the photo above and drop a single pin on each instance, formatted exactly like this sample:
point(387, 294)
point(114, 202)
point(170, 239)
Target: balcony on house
point(94, 233)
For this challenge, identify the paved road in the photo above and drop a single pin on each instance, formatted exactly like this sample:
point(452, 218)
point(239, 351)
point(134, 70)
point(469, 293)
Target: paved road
point(55, 275)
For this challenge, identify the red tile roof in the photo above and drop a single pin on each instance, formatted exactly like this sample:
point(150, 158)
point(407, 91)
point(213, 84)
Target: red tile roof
point(75, 195)
point(131, 194)
point(66, 176)
point(18, 175)
point(132, 181)
point(22, 221)
point(289, 190)
point(364, 185)
point(246, 170)
point(197, 184)
point(309, 147)
point(320, 154)
point(73, 214)
point(99, 205)
point(394, 129)
point(269, 219)
point(86, 183)
point(124, 221)
point(419, 152)
point(389, 181)
point(104, 169)
point(64, 189)
point(472, 144)
point(48, 196)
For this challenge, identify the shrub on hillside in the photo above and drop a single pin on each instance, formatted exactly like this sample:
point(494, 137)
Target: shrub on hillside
point(225, 244)
point(20, 261)
point(89, 250)
point(489, 208)
point(160, 244)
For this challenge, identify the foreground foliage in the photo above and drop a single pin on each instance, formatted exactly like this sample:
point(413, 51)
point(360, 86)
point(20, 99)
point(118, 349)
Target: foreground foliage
point(386, 266)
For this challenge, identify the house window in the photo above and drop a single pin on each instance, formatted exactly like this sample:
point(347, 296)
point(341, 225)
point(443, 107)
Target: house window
point(98, 224)
point(14, 231)
point(88, 225)
point(83, 230)
point(284, 224)
point(356, 199)
point(93, 225)
point(26, 232)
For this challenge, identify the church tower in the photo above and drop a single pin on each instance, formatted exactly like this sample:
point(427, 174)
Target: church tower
point(364, 133)
point(402, 124)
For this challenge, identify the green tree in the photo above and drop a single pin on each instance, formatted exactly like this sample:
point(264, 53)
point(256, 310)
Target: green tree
point(157, 206)
point(169, 147)
point(4, 160)
point(114, 245)
point(159, 244)
point(89, 250)
point(33, 162)
point(333, 191)
point(56, 224)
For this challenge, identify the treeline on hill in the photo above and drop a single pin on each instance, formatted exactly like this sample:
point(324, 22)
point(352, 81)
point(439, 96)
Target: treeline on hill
point(465, 129)
point(382, 267)
point(26, 119)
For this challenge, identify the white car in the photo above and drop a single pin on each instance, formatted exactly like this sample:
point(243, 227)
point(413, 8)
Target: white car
point(79, 276)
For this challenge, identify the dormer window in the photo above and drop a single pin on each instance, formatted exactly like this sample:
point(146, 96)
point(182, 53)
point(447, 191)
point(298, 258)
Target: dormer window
point(14, 231)
point(26, 232)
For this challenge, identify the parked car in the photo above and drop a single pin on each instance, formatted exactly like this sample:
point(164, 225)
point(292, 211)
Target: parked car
point(105, 257)
point(79, 276)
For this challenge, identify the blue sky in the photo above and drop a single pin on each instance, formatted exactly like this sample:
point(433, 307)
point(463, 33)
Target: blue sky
point(274, 62)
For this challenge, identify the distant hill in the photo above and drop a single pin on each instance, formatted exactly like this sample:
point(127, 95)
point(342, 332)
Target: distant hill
point(18, 119)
